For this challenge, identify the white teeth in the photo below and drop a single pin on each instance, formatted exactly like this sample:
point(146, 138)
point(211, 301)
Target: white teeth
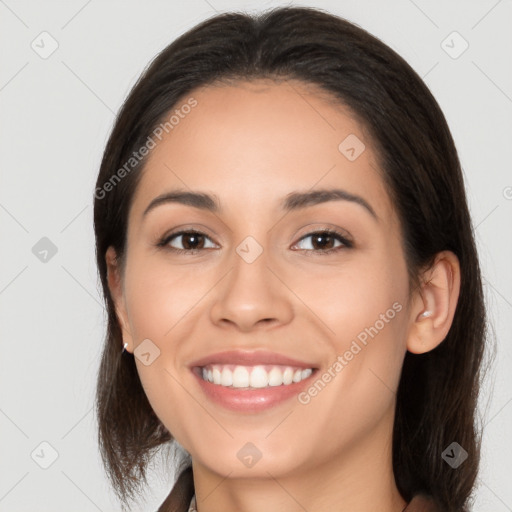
point(275, 377)
point(288, 376)
point(226, 377)
point(306, 373)
point(240, 377)
point(259, 376)
point(217, 378)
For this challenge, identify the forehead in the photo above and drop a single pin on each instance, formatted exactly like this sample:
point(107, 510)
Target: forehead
point(252, 143)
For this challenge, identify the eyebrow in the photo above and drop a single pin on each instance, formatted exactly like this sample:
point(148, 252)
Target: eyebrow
point(293, 201)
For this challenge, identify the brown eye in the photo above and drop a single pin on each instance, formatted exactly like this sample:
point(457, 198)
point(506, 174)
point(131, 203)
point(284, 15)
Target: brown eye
point(325, 242)
point(190, 241)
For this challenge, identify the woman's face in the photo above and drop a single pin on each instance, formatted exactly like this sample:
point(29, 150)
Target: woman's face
point(263, 276)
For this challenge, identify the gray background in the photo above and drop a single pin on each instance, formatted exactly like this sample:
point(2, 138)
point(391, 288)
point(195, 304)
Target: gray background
point(56, 114)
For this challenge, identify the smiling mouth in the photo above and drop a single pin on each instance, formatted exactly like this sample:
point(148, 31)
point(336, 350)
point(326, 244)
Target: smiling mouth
point(252, 377)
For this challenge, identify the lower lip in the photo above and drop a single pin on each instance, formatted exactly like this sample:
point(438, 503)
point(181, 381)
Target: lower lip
point(251, 400)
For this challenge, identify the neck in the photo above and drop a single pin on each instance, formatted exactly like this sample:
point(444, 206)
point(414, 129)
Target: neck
point(358, 479)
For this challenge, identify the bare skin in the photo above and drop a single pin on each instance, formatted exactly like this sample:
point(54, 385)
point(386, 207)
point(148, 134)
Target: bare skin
point(250, 145)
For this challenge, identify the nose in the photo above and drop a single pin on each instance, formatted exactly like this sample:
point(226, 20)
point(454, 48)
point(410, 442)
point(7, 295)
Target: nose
point(252, 295)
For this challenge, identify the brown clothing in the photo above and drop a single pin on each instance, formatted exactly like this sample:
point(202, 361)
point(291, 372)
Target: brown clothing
point(422, 503)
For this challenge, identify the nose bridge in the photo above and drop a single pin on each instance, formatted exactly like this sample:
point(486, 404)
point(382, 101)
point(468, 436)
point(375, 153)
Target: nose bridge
point(251, 292)
point(250, 263)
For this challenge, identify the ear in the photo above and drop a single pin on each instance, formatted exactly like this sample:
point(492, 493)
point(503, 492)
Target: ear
point(114, 279)
point(434, 304)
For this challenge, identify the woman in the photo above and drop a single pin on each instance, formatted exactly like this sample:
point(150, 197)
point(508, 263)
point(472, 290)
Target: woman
point(291, 280)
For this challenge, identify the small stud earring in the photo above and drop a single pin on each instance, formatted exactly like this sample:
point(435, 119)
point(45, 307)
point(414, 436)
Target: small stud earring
point(426, 314)
point(124, 347)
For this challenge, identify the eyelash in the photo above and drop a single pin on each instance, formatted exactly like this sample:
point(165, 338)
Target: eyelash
point(347, 244)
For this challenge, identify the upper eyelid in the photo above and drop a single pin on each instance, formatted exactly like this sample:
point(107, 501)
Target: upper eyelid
point(167, 238)
point(346, 240)
point(334, 232)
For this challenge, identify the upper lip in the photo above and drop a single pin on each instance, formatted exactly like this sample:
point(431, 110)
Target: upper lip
point(250, 358)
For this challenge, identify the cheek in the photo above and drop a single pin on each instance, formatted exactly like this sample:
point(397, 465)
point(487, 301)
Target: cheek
point(159, 303)
point(159, 297)
point(365, 311)
point(358, 387)
point(361, 298)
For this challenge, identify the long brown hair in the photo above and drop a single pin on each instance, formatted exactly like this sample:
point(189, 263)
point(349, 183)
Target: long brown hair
point(437, 394)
